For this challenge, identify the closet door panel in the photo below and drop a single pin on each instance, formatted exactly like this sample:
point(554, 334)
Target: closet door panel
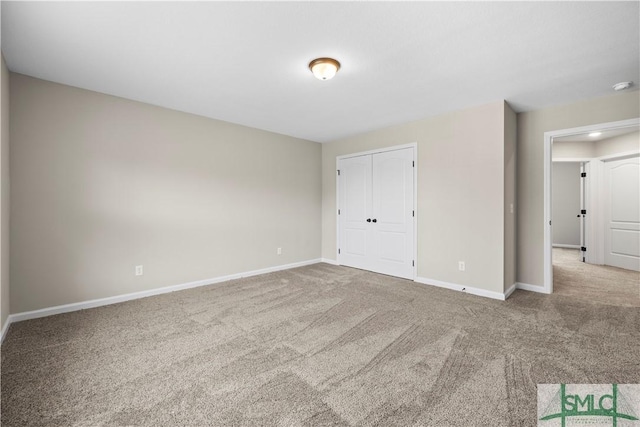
point(355, 207)
point(393, 211)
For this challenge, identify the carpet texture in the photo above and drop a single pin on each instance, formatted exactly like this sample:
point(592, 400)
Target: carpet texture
point(320, 346)
point(601, 283)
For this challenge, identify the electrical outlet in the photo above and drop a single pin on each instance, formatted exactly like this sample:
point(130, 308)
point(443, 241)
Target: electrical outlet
point(279, 251)
point(139, 271)
point(461, 265)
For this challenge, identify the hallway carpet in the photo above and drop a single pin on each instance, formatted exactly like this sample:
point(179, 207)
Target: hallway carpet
point(599, 283)
point(320, 346)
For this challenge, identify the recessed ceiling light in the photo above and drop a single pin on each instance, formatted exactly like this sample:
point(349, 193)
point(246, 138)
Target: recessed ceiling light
point(594, 134)
point(622, 85)
point(324, 68)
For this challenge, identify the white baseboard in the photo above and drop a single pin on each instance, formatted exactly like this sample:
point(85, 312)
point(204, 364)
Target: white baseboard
point(5, 328)
point(531, 288)
point(66, 308)
point(329, 261)
point(560, 245)
point(509, 291)
point(468, 289)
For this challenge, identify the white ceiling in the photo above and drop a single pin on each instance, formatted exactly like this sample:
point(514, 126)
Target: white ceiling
point(246, 62)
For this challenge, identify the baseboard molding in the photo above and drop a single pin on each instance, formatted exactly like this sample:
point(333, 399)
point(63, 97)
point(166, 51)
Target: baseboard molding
point(560, 245)
point(329, 261)
point(509, 291)
point(50, 311)
point(5, 328)
point(467, 289)
point(531, 288)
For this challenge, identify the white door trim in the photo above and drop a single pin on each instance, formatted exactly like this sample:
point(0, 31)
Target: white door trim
point(594, 205)
point(413, 145)
point(573, 160)
point(619, 156)
point(548, 141)
point(378, 150)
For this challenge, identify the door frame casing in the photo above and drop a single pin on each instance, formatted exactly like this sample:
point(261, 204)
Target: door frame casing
point(413, 145)
point(548, 143)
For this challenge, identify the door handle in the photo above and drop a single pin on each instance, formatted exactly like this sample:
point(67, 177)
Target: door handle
point(368, 219)
point(374, 220)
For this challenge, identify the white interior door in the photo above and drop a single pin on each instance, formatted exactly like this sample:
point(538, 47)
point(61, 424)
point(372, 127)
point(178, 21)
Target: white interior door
point(622, 213)
point(355, 245)
point(376, 212)
point(393, 212)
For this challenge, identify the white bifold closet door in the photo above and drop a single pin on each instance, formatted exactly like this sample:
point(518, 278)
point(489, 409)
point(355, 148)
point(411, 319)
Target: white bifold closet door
point(622, 213)
point(376, 212)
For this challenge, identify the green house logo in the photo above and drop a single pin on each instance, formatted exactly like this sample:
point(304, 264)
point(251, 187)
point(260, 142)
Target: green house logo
point(590, 404)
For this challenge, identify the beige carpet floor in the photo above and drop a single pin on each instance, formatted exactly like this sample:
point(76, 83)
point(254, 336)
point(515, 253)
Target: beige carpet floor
point(599, 283)
point(318, 346)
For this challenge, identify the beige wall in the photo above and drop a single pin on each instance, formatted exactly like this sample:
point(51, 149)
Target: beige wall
point(510, 144)
point(618, 144)
point(590, 149)
point(530, 174)
point(4, 195)
point(573, 150)
point(102, 184)
point(460, 192)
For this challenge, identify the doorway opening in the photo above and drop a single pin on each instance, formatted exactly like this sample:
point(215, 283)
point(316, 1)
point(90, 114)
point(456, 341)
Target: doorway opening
point(592, 212)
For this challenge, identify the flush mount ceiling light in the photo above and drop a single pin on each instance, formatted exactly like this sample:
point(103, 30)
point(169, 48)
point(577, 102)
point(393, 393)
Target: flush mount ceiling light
point(622, 85)
point(595, 134)
point(324, 68)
